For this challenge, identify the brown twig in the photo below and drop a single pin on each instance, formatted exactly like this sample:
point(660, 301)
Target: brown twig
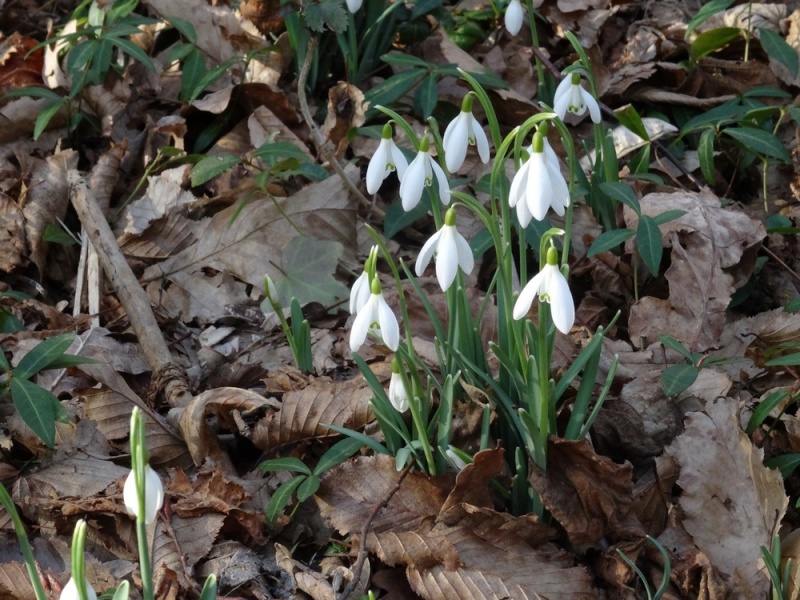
point(362, 551)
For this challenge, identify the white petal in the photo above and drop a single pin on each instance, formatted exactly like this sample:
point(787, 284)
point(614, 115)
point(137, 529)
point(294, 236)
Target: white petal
point(444, 186)
point(397, 393)
point(426, 254)
point(466, 260)
point(577, 105)
point(455, 146)
point(390, 330)
point(562, 307)
point(518, 185)
point(376, 170)
point(526, 296)
point(364, 318)
point(398, 160)
point(523, 214)
point(592, 105)
point(153, 494)
point(70, 591)
point(561, 105)
point(413, 181)
point(446, 258)
point(539, 188)
point(513, 17)
point(564, 88)
point(481, 141)
point(559, 198)
point(354, 5)
point(359, 293)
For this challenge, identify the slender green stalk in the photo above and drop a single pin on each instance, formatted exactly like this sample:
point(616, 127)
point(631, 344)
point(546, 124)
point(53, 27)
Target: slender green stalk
point(24, 544)
point(139, 464)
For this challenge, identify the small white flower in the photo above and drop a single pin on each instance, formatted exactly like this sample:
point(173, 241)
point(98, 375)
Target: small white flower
point(354, 5)
point(70, 591)
point(513, 17)
point(551, 286)
point(397, 391)
point(419, 174)
point(386, 159)
point(539, 184)
point(455, 460)
point(451, 251)
point(153, 492)
point(462, 131)
point(571, 97)
point(359, 293)
point(377, 318)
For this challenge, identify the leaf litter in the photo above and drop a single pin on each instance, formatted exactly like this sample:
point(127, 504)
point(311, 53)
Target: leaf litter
point(679, 468)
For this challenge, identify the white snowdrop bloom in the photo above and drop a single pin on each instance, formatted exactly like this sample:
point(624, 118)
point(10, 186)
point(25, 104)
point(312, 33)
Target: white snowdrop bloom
point(70, 591)
point(153, 493)
point(377, 318)
point(360, 292)
point(539, 185)
point(420, 174)
point(386, 159)
point(514, 16)
point(464, 131)
point(571, 97)
point(397, 391)
point(354, 5)
point(551, 286)
point(451, 251)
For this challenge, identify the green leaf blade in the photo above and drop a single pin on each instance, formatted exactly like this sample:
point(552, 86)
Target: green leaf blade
point(35, 406)
point(648, 242)
point(759, 141)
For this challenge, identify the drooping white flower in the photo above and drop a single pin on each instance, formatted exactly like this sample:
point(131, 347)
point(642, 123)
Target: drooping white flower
point(551, 286)
point(456, 457)
point(513, 17)
point(153, 495)
point(359, 293)
point(419, 174)
point(377, 318)
point(397, 391)
point(70, 591)
point(539, 184)
point(354, 5)
point(571, 97)
point(451, 251)
point(386, 159)
point(464, 131)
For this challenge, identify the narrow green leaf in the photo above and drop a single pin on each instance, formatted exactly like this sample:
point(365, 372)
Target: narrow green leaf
point(364, 439)
point(212, 76)
point(709, 9)
point(648, 242)
point(35, 406)
point(765, 408)
point(669, 215)
point(789, 360)
point(671, 342)
point(629, 117)
point(4, 366)
point(622, 192)
point(705, 153)
point(192, 73)
point(759, 141)
point(33, 92)
point(308, 488)
point(390, 91)
point(426, 96)
point(43, 355)
point(337, 454)
point(713, 40)
point(408, 60)
point(211, 166)
point(286, 463)
point(678, 378)
point(786, 463)
point(777, 47)
point(132, 50)
point(209, 591)
point(79, 56)
point(122, 592)
point(45, 116)
point(184, 27)
point(281, 498)
point(609, 240)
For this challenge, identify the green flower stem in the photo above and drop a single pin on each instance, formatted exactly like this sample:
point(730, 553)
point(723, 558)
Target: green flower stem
point(77, 559)
point(412, 136)
point(139, 464)
point(535, 43)
point(24, 544)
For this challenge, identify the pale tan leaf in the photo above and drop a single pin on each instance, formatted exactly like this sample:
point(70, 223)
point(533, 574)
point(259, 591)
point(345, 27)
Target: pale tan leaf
point(729, 517)
point(304, 413)
point(178, 547)
point(12, 234)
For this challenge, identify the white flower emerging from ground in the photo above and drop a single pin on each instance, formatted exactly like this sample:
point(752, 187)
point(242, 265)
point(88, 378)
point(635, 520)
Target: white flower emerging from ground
point(397, 391)
point(70, 591)
point(571, 97)
point(359, 293)
point(513, 17)
point(153, 495)
point(377, 318)
point(386, 159)
point(354, 5)
point(464, 131)
point(539, 184)
point(551, 286)
point(451, 251)
point(419, 174)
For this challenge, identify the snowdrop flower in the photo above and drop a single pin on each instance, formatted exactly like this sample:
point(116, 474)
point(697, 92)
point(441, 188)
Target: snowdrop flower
point(571, 97)
point(462, 131)
point(513, 17)
point(153, 495)
point(386, 159)
point(397, 391)
point(70, 591)
point(538, 185)
point(354, 5)
point(456, 457)
point(551, 286)
point(359, 293)
point(377, 318)
point(451, 251)
point(419, 174)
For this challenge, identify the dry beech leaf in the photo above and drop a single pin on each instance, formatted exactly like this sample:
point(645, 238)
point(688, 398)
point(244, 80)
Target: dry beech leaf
point(14, 580)
point(12, 235)
point(589, 495)
point(472, 482)
point(177, 550)
point(264, 125)
point(728, 517)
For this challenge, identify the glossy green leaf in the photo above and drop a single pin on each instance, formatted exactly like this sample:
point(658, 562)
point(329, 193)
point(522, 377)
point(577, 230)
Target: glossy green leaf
point(184, 27)
point(705, 153)
point(678, 378)
point(390, 91)
point(759, 141)
point(789, 360)
point(608, 240)
point(426, 96)
point(622, 192)
point(668, 215)
point(209, 591)
point(43, 355)
point(192, 72)
point(281, 498)
point(671, 342)
point(777, 47)
point(770, 402)
point(211, 166)
point(285, 463)
point(707, 10)
point(337, 454)
point(35, 406)
point(407, 60)
point(45, 116)
point(132, 50)
point(307, 488)
point(786, 463)
point(713, 40)
point(648, 242)
point(629, 117)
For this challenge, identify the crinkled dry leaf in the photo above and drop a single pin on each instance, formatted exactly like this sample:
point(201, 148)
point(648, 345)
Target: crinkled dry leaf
point(179, 546)
point(732, 503)
point(12, 235)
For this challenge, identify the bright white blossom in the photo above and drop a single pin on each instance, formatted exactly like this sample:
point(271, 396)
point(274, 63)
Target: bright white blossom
point(386, 159)
point(397, 391)
point(359, 293)
point(464, 131)
point(551, 286)
point(377, 318)
point(571, 97)
point(513, 17)
point(153, 494)
point(419, 174)
point(354, 5)
point(451, 251)
point(70, 591)
point(539, 184)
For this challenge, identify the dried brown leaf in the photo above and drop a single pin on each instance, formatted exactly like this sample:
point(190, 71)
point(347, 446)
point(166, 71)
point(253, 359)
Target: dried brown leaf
point(12, 235)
